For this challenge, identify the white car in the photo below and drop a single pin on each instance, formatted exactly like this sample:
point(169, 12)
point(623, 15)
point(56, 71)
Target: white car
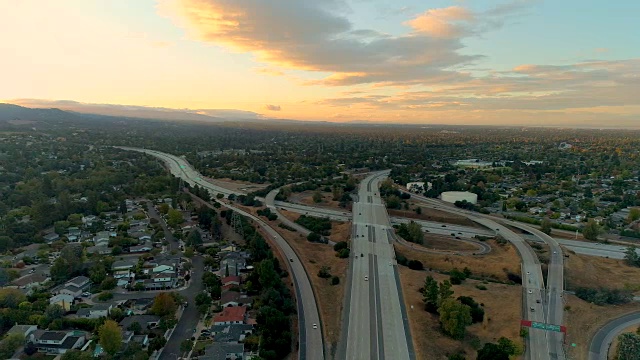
point(366, 278)
point(530, 291)
point(315, 326)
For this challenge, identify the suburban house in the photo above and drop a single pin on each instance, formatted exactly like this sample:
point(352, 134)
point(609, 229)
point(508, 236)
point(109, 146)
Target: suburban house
point(101, 238)
point(102, 249)
point(64, 300)
point(145, 321)
point(159, 281)
point(30, 282)
point(230, 280)
point(233, 333)
point(232, 264)
point(23, 330)
point(146, 247)
point(57, 342)
point(123, 268)
point(231, 315)
point(234, 298)
point(95, 312)
point(223, 351)
point(51, 237)
point(74, 287)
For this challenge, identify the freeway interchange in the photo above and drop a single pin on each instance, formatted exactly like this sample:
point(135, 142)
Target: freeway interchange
point(375, 326)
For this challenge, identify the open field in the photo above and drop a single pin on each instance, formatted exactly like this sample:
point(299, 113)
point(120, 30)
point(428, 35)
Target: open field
point(236, 185)
point(585, 271)
point(444, 242)
point(584, 319)
point(432, 215)
point(502, 304)
point(306, 198)
point(495, 265)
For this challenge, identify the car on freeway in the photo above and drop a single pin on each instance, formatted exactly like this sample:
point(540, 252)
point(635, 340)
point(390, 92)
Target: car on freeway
point(532, 309)
point(291, 259)
point(366, 278)
point(315, 326)
point(538, 301)
point(530, 291)
point(528, 273)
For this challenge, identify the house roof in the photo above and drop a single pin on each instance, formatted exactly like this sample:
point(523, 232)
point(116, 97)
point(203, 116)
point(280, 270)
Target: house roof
point(219, 351)
point(235, 313)
point(50, 335)
point(229, 279)
point(143, 320)
point(78, 280)
point(21, 329)
point(228, 296)
point(29, 279)
point(230, 332)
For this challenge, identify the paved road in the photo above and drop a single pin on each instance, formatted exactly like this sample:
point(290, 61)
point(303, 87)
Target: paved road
point(555, 288)
point(601, 341)
point(532, 281)
point(310, 339)
point(375, 323)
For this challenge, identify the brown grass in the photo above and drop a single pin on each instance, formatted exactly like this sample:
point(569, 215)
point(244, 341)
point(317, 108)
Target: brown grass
point(590, 271)
point(502, 304)
point(306, 198)
point(237, 185)
point(329, 297)
point(584, 319)
point(444, 242)
point(495, 265)
point(432, 215)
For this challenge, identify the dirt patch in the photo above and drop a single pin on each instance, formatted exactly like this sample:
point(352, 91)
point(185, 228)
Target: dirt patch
point(502, 304)
point(236, 185)
point(495, 265)
point(585, 271)
point(329, 297)
point(432, 215)
point(306, 198)
point(443, 242)
point(584, 319)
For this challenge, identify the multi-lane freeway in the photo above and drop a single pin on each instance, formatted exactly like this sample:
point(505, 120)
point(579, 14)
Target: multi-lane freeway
point(310, 337)
point(375, 323)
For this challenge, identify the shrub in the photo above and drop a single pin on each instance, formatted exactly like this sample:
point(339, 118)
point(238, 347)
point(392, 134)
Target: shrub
point(340, 245)
point(343, 253)
point(335, 280)
point(324, 272)
point(402, 260)
point(481, 287)
point(415, 265)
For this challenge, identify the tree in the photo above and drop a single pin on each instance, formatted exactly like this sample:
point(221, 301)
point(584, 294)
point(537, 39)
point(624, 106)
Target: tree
point(75, 354)
point(186, 345)
point(430, 294)
point(492, 351)
point(6, 243)
point(194, 238)
point(97, 273)
point(324, 272)
point(545, 226)
point(213, 283)
point(634, 214)
point(415, 265)
point(591, 230)
point(313, 237)
point(335, 280)
point(174, 218)
point(11, 298)
point(53, 312)
point(444, 292)
point(163, 304)
point(631, 256)
point(110, 337)
point(10, 344)
point(454, 318)
point(135, 327)
point(157, 343)
point(317, 197)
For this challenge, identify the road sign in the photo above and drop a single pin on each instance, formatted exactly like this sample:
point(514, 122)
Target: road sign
point(543, 326)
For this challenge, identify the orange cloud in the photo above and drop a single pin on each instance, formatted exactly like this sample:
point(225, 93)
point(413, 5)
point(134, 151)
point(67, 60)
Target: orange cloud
point(446, 22)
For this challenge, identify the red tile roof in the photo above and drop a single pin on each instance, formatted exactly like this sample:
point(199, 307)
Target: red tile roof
point(228, 314)
point(230, 279)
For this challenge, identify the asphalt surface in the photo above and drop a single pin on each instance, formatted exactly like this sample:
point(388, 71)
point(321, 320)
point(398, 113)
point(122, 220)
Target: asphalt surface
point(601, 341)
point(375, 323)
point(538, 347)
point(311, 344)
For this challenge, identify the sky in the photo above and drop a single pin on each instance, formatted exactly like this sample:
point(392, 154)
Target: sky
point(519, 62)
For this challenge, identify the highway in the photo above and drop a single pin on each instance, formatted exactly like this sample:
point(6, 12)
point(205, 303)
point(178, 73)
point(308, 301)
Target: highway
point(375, 324)
point(534, 309)
point(555, 288)
point(601, 341)
point(311, 344)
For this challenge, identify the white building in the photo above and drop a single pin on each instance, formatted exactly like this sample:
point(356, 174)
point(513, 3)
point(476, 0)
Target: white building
point(453, 196)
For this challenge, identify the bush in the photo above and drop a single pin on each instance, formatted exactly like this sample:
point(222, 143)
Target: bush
point(481, 287)
point(515, 278)
point(415, 265)
point(313, 237)
point(324, 272)
point(603, 296)
point(457, 276)
point(340, 245)
point(335, 280)
point(321, 226)
point(402, 260)
point(272, 217)
point(343, 253)
point(104, 296)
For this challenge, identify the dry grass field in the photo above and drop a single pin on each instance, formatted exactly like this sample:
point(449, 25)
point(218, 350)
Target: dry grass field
point(502, 304)
point(495, 265)
point(588, 271)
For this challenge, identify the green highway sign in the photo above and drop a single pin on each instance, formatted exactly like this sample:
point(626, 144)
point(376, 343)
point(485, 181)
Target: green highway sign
point(543, 326)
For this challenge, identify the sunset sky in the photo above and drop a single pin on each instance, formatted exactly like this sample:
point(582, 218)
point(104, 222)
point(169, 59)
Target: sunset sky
point(566, 62)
